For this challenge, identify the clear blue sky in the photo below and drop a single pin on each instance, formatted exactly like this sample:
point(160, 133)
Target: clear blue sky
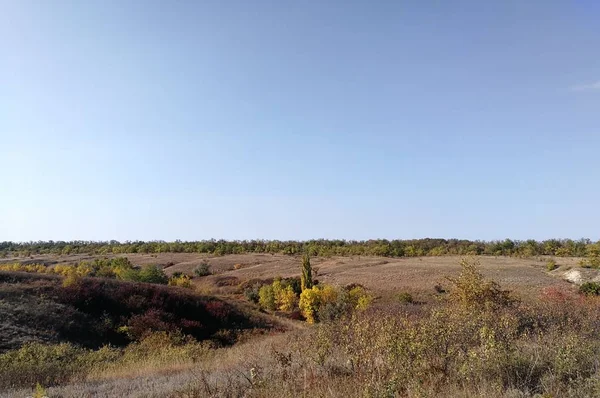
point(299, 119)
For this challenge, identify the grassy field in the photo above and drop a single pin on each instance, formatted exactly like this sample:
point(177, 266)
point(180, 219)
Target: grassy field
point(383, 275)
point(278, 356)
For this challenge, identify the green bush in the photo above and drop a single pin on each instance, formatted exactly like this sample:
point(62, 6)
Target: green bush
point(153, 274)
point(471, 290)
point(147, 274)
point(591, 262)
point(181, 280)
point(38, 363)
point(130, 275)
point(266, 298)
point(590, 289)
point(202, 270)
point(405, 298)
point(251, 293)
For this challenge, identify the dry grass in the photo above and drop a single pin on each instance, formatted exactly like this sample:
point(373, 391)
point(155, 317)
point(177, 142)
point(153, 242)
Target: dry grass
point(376, 273)
point(289, 364)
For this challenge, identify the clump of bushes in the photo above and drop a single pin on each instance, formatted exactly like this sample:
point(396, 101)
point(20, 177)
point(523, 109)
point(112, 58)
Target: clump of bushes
point(326, 302)
point(181, 280)
point(590, 289)
point(202, 269)
point(118, 313)
point(147, 274)
point(590, 262)
point(81, 269)
point(119, 268)
point(315, 301)
point(472, 290)
point(37, 364)
point(252, 292)
point(320, 302)
point(281, 295)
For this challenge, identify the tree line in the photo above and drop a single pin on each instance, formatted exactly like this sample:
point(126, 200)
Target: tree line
point(321, 247)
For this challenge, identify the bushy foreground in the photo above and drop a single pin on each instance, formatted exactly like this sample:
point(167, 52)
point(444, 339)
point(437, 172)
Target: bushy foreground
point(49, 365)
point(478, 340)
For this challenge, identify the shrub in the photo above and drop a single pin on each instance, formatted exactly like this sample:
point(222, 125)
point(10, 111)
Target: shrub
point(109, 304)
point(181, 280)
point(153, 274)
point(405, 298)
point(252, 293)
point(40, 392)
point(38, 363)
point(590, 289)
point(202, 270)
point(154, 320)
point(590, 262)
point(551, 265)
point(71, 279)
point(359, 298)
point(471, 290)
point(129, 274)
point(333, 310)
point(325, 302)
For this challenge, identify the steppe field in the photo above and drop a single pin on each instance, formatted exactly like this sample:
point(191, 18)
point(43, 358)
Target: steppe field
point(78, 338)
point(526, 276)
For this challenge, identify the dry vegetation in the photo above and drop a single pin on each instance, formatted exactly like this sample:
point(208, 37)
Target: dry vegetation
point(529, 333)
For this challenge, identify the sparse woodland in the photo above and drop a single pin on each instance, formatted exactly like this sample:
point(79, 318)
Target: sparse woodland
point(322, 247)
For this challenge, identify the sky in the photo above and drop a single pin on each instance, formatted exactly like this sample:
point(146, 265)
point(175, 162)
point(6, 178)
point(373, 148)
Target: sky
point(283, 119)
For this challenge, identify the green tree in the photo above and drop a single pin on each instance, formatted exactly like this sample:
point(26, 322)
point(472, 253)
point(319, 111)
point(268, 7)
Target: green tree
point(153, 274)
point(306, 281)
point(267, 298)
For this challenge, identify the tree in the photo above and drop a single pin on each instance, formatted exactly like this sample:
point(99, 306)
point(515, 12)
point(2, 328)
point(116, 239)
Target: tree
point(153, 274)
point(310, 300)
point(267, 298)
point(306, 281)
point(286, 299)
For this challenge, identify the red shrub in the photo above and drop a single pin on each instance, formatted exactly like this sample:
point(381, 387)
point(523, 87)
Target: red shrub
point(153, 320)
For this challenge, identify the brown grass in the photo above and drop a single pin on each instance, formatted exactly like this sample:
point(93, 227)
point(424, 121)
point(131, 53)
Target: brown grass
point(383, 275)
point(228, 371)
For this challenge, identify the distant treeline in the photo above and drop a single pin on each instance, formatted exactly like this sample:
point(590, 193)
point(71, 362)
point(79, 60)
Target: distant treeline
point(322, 247)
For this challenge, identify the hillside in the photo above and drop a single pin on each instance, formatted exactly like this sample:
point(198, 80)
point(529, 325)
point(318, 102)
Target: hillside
point(96, 311)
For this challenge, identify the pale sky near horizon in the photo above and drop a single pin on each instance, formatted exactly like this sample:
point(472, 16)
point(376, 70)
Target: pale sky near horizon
point(296, 120)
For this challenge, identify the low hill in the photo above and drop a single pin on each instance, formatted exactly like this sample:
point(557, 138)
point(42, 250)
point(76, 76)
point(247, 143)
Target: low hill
point(94, 312)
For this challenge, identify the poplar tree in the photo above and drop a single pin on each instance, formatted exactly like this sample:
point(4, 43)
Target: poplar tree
point(306, 278)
